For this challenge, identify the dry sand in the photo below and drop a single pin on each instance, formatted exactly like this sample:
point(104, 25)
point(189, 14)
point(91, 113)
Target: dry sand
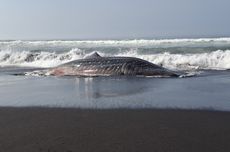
point(75, 130)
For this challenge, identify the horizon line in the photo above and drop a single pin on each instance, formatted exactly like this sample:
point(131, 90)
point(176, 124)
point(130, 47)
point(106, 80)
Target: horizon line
point(107, 39)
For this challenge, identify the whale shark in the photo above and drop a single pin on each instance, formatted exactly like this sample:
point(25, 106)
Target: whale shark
point(96, 65)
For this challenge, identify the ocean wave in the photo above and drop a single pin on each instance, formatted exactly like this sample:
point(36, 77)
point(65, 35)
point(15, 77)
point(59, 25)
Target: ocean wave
point(218, 60)
point(116, 43)
point(38, 59)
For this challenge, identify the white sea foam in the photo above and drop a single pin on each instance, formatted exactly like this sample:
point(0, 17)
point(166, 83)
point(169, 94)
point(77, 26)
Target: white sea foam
point(219, 60)
point(38, 59)
point(115, 43)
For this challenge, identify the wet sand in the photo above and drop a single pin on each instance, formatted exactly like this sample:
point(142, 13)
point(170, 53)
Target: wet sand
point(76, 130)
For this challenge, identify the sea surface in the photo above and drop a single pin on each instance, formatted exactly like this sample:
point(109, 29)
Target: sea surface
point(207, 60)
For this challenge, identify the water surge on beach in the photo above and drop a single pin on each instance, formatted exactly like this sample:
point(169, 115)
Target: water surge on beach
point(208, 58)
point(176, 54)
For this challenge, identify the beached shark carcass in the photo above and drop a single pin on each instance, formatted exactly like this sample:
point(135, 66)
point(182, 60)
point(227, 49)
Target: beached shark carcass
point(96, 65)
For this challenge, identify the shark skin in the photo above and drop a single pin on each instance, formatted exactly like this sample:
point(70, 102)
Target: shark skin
point(95, 65)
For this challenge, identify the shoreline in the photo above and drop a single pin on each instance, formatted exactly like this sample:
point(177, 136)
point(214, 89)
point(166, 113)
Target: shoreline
point(69, 129)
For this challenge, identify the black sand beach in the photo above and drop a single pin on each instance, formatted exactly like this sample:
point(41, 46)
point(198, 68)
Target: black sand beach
point(71, 130)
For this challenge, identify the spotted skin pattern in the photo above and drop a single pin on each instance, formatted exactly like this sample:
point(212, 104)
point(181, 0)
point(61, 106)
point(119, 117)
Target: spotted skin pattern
point(111, 66)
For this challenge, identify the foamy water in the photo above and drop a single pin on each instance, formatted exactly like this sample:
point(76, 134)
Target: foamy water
point(176, 54)
point(209, 59)
point(117, 43)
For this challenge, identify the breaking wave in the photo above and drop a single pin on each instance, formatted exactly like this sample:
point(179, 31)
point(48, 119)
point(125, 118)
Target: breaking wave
point(117, 43)
point(38, 59)
point(218, 60)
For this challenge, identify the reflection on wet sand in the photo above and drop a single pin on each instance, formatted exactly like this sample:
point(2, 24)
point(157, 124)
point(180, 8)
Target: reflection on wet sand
point(116, 92)
point(100, 87)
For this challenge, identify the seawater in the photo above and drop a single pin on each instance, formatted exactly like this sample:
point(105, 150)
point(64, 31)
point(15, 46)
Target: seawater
point(208, 58)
